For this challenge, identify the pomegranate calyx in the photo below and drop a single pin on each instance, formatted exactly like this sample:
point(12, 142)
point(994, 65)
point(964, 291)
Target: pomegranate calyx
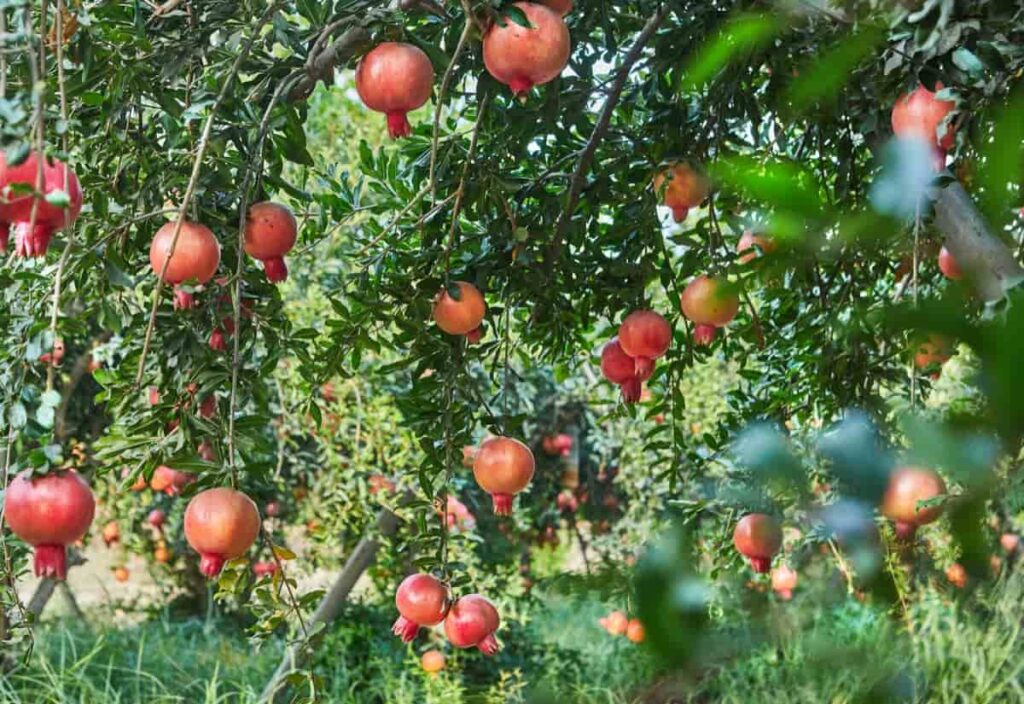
point(489, 645)
point(210, 564)
point(31, 241)
point(275, 269)
point(51, 561)
point(502, 504)
point(520, 85)
point(631, 390)
point(405, 629)
point(398, 125)
point(183, 300)
point(761, 565)
point(679, 214)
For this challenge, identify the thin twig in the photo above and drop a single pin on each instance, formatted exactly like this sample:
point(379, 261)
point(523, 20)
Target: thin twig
point(441, 92)
point(284, 580)
point(394, 223)
point(758, 330)
point(461, 189)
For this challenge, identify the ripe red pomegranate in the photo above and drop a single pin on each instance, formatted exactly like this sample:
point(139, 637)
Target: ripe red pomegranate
point(685, 189)
point(16, 206)
point(522, 57)
point(395, 78)
point(560, 444)
point(49, 513)
point(208, 406)
point(264, 569)
point(758, 537)
point(111, 533)
point(750, 242)
point(619, 368)
point(566, 501)
point(220, 524)
point(156, 518)
point(708, 301)
point(616, 623)
point(170, 481)
point(635, 631)
point(462, 316)
point(458, 516)
point(272, 509)
point(432, 661)
point(644, 335)
point(503, 467)
point(471, 622)
point(919, 113)
point(948, 265)
point(908, 486)
point(422, 600)
point(196, 257)
point(704, 335)
point(270, 232)
point(935, 350)
point(784, 581)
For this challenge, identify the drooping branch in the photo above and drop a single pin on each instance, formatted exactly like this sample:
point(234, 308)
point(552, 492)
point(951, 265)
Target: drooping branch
point(320, 67)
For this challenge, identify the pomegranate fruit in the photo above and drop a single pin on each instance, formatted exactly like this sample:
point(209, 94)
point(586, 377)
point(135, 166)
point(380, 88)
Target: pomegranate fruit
point(644, 335)
point(1009, 541)
point(919, 113)
point(619, 368)
point(935, 350)
point(704, 335)
point(196, 257)
point(750, 242)
point(471, 622)
point(948, 265)
point(170, 481)
point(635, 631)
point(161, 554)
point(422, 600)
point(908, 487)
point(156, 518)
point(617, 623)
point(121, 574)
point(758, 537)
point(395, 78)
point(463, 315)
point(784, 580)
point(503, 467)
point(709, 301)
point(272, 509)
point(49, 512)
point(566, 501)
point(270, 232)
point(432, 661)
point(264, 569)
point(458, 516)
point(16, 205)
point(560, 444)
point(524, 57)
point(56, 354)
point(684, 188)
point(957, 575)
point(220, 524)
point(111, 533)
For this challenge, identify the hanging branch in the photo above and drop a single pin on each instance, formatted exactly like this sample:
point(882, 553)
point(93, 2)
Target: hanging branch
point(461, 188)
point(445, 81)
point(193, 181)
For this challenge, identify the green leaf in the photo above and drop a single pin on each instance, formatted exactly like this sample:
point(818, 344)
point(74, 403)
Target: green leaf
point(736, 41)
point(821, 79)
point(518, 16)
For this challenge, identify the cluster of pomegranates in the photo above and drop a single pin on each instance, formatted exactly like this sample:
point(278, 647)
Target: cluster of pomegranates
point(628, 359)
point(26, 207)
point(618, 624)
point(423, 601)
point(558, 445)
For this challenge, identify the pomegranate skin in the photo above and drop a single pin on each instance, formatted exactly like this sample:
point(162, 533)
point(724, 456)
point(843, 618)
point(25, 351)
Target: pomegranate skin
point(758, 537)
point(919, 114)
point(907, 487)
point(220, 524)
point(685, 189)
point(644, 335)
point(522, 57)
point(704, 302)
point(949, 266)
point(17, 208)
point(422, 600)
point(503, 467)
point(196, 257)
point(463, 316)
point(49, 513)
point(395, 78)
point(270, 233)
point(471, 622)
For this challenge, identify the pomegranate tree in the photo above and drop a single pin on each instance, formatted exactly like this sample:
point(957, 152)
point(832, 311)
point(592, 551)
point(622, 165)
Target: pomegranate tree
point(49, 513)
point(395, 78)
point(196, 257)
point(471, 622)
point(220, 524)
point(19, 196)
point(503, 467)
point(908, 487)
point(619, 368)
point(422, 600)
point(460, 314)
point(684, 188)
point(524, 57)
point(948, 265)
point(644, 335)
point(758, 537)
point(270, 232)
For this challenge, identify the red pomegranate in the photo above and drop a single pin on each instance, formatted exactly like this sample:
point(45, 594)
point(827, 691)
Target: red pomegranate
point(55, 355)
point(422, 600)
point(908, 487)
point(935, 350)
point(49, 512)
point(635, 631)
point(619, 368)
point(1009, 541)
point(111, 533)
point(750, 242)
point(957, 575)
point(704, 335)
point(522, 57)
point(121, 574)
point(432, 661)
point(196, 257)
point(264, 569)
point(458, 516)
point(616, 623)
point(395, 78)
point(566, 501)
point(784, 580)
point(463, 315)
point(471, 622)
point(948, 265)
point(919, 113)
point(644, 335)
point(170, 481)
point(272, 509)
point(270, 232)
point(16, 205)
point(156, 518)
point(758, 537)
point(220, 524)
point(560, 444)
point(208, 406)
point(503, 467)
point(685, 189)
point(708, 301)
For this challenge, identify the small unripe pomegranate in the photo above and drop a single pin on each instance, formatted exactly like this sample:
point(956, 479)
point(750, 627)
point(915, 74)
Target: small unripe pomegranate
point(750, 242)
point(644, 335)
point(617, 623)
point(635, 631)
point(948, 266)
point(270, 232)
point(156, 518)
point(471, 622)
point(957, 575)
point(395, 78)
point(220, 524)
point(121, 574)
point(462, 316)
point(708, 301)
point(784, 580)
point(432, 661)
point(522, 57)
point(196, 257)
point(33, 239)
point(208, 406)
point(1009, 541)
point(422, 600)
point(684, 188)
point(704, 335)
point(49, 513)
point(503, 467)
point(619, 368)
point(272, 509)
point(758, 537)
point(908, 487)
point(111, 533)
point(919, 114)
point(161, 554)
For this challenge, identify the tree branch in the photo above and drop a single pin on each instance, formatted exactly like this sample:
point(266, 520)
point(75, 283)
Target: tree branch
point(320, 66)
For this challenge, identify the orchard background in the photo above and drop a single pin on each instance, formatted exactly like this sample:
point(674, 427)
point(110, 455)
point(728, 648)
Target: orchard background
point(870, 325)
